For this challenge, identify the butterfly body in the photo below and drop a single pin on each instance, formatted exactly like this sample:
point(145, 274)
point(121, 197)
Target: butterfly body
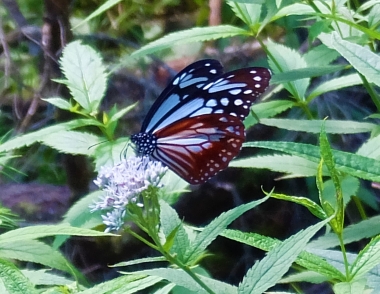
point(195, 126)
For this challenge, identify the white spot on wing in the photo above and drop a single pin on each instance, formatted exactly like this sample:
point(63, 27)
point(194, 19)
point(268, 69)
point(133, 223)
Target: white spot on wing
point(211, 103)
point(238, 102)
point(235, 92)
point(224, 101)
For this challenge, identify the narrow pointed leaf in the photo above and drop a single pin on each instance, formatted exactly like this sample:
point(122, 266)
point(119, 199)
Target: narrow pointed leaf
point(211, 231)
point(268, 271)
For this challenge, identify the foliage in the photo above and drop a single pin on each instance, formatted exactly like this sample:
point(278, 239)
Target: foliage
point(341, 44)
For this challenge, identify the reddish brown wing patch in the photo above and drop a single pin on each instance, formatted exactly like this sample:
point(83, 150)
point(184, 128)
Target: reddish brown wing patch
point(199, 147)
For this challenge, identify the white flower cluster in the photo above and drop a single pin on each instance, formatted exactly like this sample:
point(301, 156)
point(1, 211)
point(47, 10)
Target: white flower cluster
point(123, 184)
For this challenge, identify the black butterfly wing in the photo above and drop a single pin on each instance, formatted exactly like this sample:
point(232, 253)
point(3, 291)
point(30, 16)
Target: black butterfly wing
point(187, 81)
point(231, 93)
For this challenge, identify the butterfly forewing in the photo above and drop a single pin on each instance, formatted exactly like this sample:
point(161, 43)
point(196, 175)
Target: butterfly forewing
point(231, 93)
point(199, 147)
point(187, 81)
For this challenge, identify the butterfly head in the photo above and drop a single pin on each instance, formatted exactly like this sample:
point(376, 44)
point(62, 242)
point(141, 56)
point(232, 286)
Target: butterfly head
point(145, 143)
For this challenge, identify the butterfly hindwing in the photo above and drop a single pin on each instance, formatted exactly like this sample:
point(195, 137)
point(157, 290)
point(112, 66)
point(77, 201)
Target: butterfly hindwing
point(197, 148)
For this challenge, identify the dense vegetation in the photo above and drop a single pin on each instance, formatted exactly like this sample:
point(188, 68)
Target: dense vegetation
point(78, 79)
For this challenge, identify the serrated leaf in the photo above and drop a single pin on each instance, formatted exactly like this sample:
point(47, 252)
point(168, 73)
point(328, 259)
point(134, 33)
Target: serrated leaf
point(43, 277)
point(352, 164)
point(337, 222)
point(38, 136)
point(79, 215)
point(109, 153)
point(181, 278)
point(267, 109)
point(284, 59)
point(72, 142)
point(189, 36)
point(170, 222)
point(361, 58)
point(335, 84)
point(370, 148)
point(139, 261)
point(302, 73)
point(321, 55)
point(314, 126)
point(121, 113)
point(85, 75)
point(37, 252)
point(211, 231)
point(351, 287)
point(293, 165)
point(248, 12)
point(58, 102)
point(313, 207)
point(268, 271)
point(356, 232)
point(305, 276)
point(305, 259)
point(13, 280)
point(335, 258)
point(367, 258)
point(123, 285)
point(35, 232)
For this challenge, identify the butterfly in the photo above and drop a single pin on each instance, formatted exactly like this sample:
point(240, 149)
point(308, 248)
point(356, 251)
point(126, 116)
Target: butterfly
point(195, 127)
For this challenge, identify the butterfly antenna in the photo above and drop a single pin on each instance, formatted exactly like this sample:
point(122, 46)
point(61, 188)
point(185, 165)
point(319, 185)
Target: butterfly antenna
point(97, 144)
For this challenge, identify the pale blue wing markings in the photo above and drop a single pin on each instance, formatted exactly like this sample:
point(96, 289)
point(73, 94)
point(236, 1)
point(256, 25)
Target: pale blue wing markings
point(185, 110)
point(173, 99)
point(219, 88)
point(193, 81)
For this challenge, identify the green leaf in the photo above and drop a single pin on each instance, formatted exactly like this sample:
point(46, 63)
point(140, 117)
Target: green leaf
point(170, 222)
point(44, 277)
point(189, 36)
point(305, 276)
point(374, 17)
point(313, 207)
point(305, 259)
point(79, 215)
point(294, 166)
point(268, 271)
point(58, 102)
point(360, 57)
point(248, 12)
point(308, 72)
point(314, 126)
point(140, 261)
point(337, 222)
point(35, 232)
point(102, 8)
point(36, 251)
point(211, 231)
point(181, 278)
point(356, 232)
point(123, 285)
point(121, 113)
point(109, 153)
point(13, 280)
point(352, 287)
point(267, 109)
point(335, 84)
point(72, 142)
point(367, 258)
point(370, 148)
point(321, 55)
point(352, 164)
point(282, 60)
point(38, 136)
point(85, 75)
point(350, 186)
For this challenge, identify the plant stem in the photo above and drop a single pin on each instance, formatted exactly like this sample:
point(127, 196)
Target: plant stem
point(341, 242)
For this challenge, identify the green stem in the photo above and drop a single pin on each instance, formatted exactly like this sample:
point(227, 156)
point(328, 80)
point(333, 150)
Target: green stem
point(360, 207)
point(371, 92)
point(341, 242)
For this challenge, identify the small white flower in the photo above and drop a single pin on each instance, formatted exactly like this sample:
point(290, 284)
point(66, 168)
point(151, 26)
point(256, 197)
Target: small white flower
point(123, 184)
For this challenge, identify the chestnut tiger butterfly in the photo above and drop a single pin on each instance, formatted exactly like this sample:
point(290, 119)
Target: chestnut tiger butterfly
point(195, 127)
